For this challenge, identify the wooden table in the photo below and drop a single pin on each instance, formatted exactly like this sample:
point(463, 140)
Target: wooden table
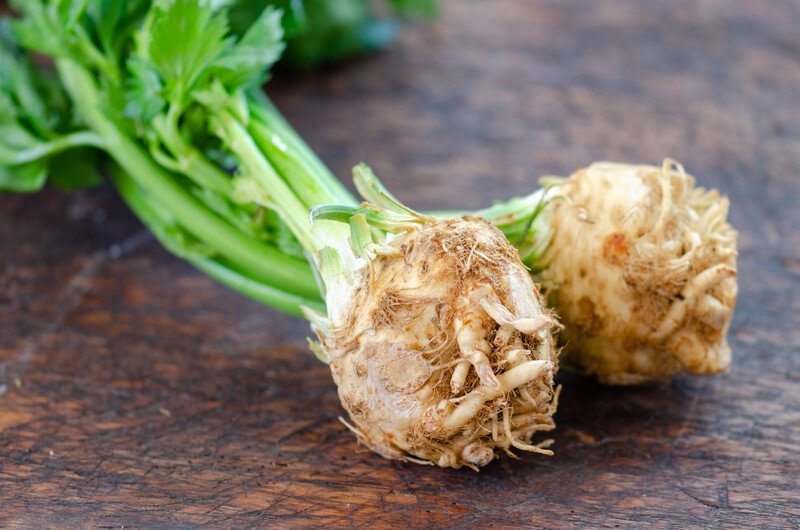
point(134, 391)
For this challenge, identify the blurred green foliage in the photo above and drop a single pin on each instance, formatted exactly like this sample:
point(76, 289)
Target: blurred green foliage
point(325, 31)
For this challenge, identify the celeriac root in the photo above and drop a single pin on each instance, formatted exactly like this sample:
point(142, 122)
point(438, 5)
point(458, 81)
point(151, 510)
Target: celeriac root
point(445, 353)
point(643, 271)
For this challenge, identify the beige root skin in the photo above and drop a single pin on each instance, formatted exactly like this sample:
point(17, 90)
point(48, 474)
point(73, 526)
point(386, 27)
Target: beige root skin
point(643, 271)
point(425, 372)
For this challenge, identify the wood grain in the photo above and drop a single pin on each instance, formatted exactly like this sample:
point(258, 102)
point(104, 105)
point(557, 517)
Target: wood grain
point(136, 392)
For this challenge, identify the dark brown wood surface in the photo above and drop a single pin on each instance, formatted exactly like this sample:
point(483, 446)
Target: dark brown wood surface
point(134, 391)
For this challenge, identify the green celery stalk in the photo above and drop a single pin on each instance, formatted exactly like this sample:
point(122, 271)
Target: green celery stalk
point(256, 259)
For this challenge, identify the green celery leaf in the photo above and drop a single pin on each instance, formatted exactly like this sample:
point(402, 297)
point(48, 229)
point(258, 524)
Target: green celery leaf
point(17, 83)
point(251, 57)
point(8, 111)
point(144, 95)
point(26, 178)
point(37, 140)
point(107, 15)
point(71, 11)
point(14, 136)
point(186, 38)
point(40, 29)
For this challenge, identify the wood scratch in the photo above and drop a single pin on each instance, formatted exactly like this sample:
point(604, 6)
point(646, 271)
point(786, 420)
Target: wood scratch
point(704, 502)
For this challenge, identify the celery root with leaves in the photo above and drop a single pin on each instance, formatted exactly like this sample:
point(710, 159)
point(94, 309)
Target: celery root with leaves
point(639, 261)
point(436, 335)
